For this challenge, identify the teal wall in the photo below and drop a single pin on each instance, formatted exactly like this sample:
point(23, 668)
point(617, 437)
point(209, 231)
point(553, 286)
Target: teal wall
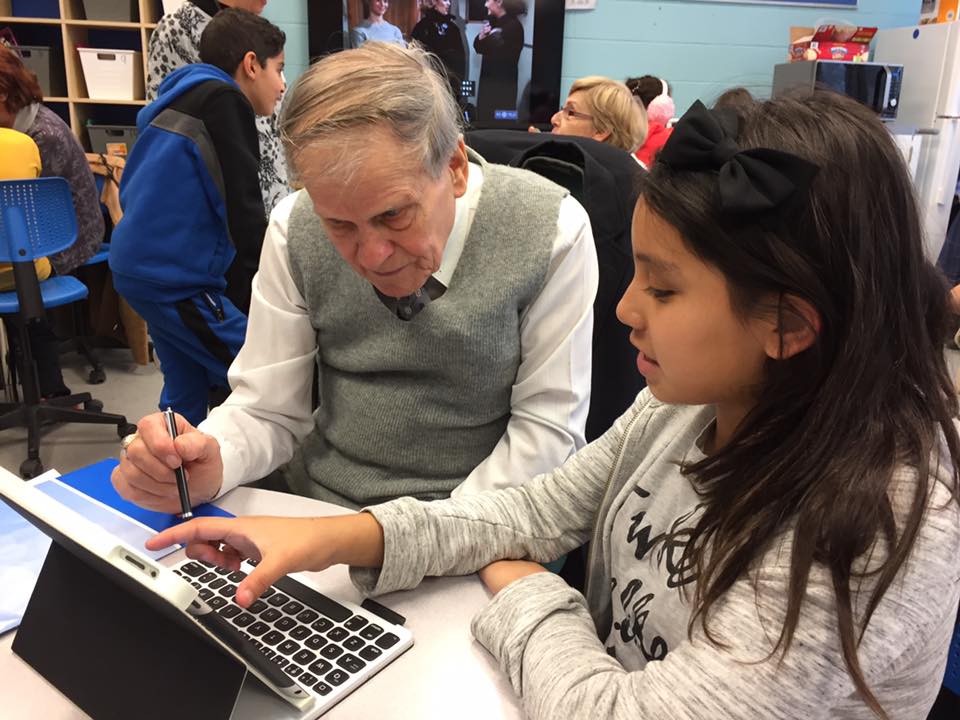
point(701, 48)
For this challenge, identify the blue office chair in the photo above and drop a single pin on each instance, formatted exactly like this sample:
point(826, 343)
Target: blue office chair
point(37, 219)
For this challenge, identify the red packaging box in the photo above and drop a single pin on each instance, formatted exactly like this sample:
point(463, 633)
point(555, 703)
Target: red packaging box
point(847, 43)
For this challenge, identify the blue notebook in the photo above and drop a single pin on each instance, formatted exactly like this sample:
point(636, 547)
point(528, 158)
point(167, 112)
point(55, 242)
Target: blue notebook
point(89, 492)
point(94, 481)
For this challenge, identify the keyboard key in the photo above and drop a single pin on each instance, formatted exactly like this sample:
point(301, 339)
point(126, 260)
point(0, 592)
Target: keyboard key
point(278, 600)
point(193, 569)
point(371, 631)
point(243, 619)
point(371, 653)
point(304, 657)
point(312, 599)
point(258, 628)
point(336, 677)
point(207, 577)
point(256, 643)
point(353, 643)
point(269, 653)
point(228, 590)
point(300, 632)
point(332, 651)
point(293, 670)
point(307, 680)
point(217, 602)
point(308, 616)
point(206, 593)
point(270, 614)
point(316, 642)
point(292, 607)
point(217, 584)
point(272, 638)
point(388, 641)
point(251, 562)
point(221, 571)
point(228, 611)
point(281, 661)
point(337, 634)
point(197, 585)
point(288, 647)
point(355, 623)
point(236, 576)
point(285, 623)
point(257, 606)
point(321, 688)
point(205, 563)
point(351, 663)
point(322, 625)
point(267, 593)
point(320, 667)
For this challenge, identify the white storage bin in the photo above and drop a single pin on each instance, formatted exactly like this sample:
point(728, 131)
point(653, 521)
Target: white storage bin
point(112, 74)
point(170, 6)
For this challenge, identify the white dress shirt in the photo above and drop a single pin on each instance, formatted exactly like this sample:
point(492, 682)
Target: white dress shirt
point(269, 410)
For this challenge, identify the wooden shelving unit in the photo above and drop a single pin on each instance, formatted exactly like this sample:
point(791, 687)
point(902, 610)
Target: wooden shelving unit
point(63, 35)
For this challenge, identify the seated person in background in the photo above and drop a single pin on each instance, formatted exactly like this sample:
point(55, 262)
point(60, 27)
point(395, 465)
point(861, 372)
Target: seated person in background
point(60, 155)
point(602, 109)
point(20, 160)
point(176, 42)
point(374, 27)
point(776, 519)
point(654, 94)
point(441, 33)
point(185, 253)
point(445, 302)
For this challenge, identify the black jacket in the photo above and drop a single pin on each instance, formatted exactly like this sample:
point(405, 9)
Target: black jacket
point(606, 181)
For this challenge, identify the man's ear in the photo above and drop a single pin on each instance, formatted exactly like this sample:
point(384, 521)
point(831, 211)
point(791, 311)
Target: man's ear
point(797, 327)
point(459, 169)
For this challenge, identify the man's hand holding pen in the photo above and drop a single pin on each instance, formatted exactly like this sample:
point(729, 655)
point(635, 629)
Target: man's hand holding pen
point(147, 471)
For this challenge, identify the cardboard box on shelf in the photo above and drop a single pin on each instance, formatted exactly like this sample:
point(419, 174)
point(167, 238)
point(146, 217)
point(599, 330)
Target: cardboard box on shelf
point(938, 11)
point(849, 43)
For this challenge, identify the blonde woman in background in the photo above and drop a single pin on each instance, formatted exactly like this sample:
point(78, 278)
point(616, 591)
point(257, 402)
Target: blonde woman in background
point(603, 109)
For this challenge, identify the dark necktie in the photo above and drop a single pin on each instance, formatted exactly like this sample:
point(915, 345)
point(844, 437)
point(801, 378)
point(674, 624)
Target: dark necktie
point(407, 307)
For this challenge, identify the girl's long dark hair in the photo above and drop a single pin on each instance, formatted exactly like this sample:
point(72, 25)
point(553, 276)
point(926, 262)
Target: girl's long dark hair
point(818, 451)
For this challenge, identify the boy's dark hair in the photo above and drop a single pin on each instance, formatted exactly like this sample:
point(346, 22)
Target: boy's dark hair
point(232, 33)
point(815, 457)
point(735, 98)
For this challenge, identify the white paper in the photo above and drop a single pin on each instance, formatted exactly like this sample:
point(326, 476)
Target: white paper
point(581, 4)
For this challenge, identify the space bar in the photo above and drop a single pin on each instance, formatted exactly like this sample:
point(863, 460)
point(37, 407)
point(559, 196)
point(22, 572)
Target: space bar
point(311, 598)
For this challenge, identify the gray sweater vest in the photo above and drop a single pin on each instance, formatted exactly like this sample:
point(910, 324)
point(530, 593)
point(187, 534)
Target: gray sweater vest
point(411, 408)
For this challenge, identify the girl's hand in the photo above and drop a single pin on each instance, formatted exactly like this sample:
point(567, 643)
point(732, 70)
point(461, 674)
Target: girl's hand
point(497, 575)
point(281, 545)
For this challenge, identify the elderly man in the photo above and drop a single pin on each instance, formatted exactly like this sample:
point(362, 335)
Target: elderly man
point(466, 365)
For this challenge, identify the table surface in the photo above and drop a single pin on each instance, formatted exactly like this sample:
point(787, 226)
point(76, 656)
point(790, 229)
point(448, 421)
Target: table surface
point(445, 674)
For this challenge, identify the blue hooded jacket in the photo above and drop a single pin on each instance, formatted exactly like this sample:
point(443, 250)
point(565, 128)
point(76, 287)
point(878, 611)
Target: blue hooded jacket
point(174, 239)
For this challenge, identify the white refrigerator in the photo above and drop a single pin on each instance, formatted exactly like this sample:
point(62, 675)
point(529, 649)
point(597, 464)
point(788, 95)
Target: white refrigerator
point(927, 127)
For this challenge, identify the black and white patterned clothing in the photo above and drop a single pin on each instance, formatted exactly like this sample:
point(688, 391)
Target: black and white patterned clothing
point(176, 42)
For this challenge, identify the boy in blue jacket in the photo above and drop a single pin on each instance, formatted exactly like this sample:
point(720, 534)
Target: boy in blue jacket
point(186, 251)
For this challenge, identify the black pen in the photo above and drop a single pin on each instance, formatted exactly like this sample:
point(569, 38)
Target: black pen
point(181, 475)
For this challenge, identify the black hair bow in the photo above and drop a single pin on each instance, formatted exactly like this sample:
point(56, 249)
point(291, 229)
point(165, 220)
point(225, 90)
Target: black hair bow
point(750, 181)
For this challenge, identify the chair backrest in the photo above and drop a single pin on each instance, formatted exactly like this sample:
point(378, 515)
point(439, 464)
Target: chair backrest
point(37, 218)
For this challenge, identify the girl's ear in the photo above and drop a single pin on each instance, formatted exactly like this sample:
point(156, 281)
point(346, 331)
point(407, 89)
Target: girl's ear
point(797, 327)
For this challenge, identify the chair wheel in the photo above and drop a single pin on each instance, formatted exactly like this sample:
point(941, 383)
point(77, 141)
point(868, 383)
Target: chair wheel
point(93, 406)
point(31, 468)
point(126, 429)
point(96, 377)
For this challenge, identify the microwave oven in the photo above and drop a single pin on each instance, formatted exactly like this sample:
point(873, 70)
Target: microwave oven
point(876, 85)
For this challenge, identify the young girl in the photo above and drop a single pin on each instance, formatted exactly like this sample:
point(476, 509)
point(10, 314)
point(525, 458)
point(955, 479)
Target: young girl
point(774, 523)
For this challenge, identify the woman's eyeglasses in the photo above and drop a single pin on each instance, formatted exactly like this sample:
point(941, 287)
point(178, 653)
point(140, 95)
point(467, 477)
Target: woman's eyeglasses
point(571, 114)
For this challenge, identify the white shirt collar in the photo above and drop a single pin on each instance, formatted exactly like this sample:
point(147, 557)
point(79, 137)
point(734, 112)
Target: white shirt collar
point(463, 221)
